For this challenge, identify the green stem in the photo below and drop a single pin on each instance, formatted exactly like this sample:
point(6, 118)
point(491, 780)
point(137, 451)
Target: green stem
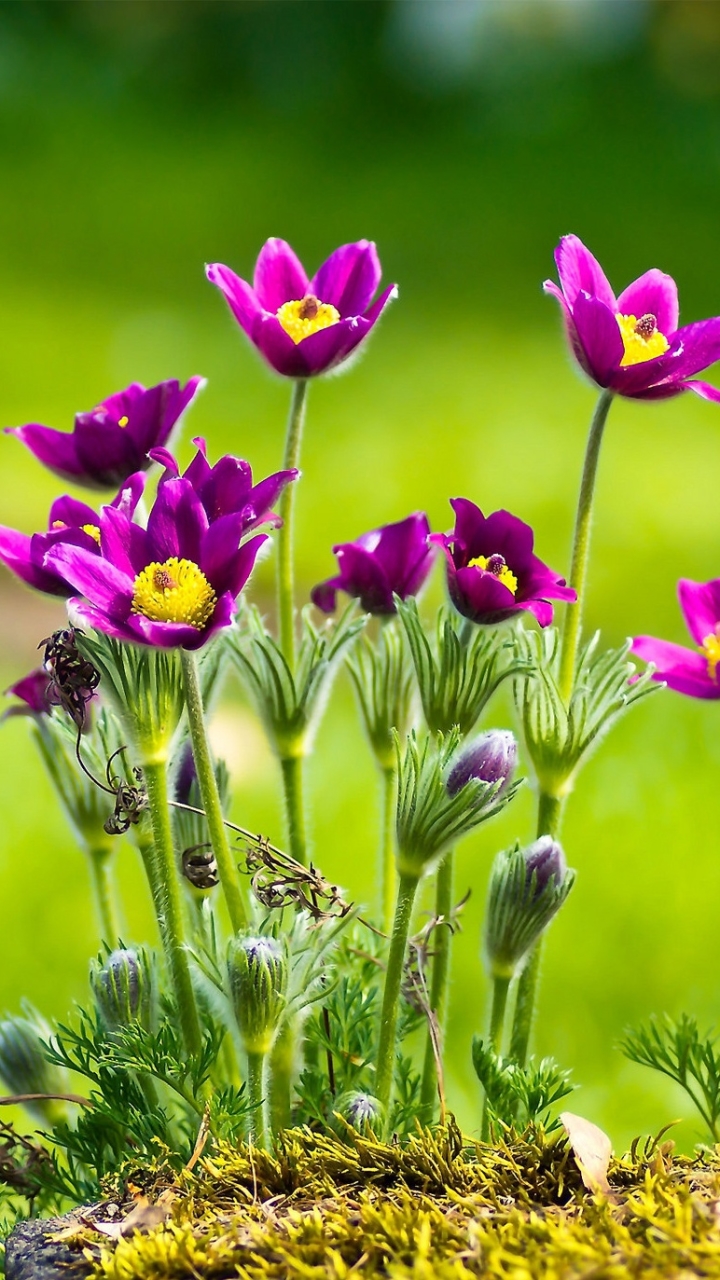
point(439, 986)
point(285, 567)
point(165, 891)
point(282, 1064)
point(407, 889)
point(387, 845)
point(257, 1097)
point(501, 986)
point(103, 889)
point(581, 547)
point(292, 772)
point(210, 794)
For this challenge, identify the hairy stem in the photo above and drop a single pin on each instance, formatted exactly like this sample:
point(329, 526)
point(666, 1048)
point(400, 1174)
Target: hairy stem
point(285, 564)
point(387, 845)
point(258, 1127)
point(103, 889)
point(282, 1065)
point(501, 986)
point(292, 772)
point(210, 794)
point(440, 979)
point(407, 889)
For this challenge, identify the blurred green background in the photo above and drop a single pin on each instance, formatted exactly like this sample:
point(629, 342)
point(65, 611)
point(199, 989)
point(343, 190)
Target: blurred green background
point(138, 140)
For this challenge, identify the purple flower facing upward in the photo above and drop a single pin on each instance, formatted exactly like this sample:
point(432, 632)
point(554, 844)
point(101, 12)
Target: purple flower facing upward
point(632, 344)
point(393, 560)
point(70, 521)
point(694, 672)
point(172, 584)
point(491, 757)
point(305, 327)
point(34, 694)
point(492, 571)
point(227, 490)
point(113, 440)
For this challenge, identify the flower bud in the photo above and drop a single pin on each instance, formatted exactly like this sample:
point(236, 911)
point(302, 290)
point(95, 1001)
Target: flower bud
point(24, 1067)
point(491, 758)
point(258, 975)
point(527, 888)
point(122, 991)
point(361, 1110)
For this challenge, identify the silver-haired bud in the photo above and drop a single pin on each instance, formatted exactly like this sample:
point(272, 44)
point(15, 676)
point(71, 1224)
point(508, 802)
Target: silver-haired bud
point(361, 1110)
point(491, 758)
point(24, 1067)
point(527, 889)
point(258, 976)
point(122, 990)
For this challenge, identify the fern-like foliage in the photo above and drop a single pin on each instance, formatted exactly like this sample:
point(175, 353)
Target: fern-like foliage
point(679, 1050)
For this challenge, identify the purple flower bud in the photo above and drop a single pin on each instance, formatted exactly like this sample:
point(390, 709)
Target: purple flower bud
point(185, 776)
point(491, 757)
point(546, 860)
point(361, 1110)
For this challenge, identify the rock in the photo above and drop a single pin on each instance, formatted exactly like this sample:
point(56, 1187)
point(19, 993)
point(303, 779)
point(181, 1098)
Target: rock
point(32, 1254)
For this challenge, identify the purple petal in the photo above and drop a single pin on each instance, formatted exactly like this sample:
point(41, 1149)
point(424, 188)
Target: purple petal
point(700, 603)
point(483, 597)
point(508, 535)
point(324, 595)
point(123, 543)
point(702, 389)
point(177, 523)
point(265, 494)
point(279, 276)
point(599, 334)
point(468, 519)
point(33, 690)
point(72, 512)
point(541, 610)
point(227, 488)
point(57, 450)
point(403, 552)
point(349, 278)
point(362, 576)
point(199, 470)
point(221, 559)
point(679, 668)
point(571, 332)
point(239, 296)
point(104, 585)
point(580, 272)
point(653, 293)
point(694, 348)
point(130, 493)
point(16, 553)
point(278, 348)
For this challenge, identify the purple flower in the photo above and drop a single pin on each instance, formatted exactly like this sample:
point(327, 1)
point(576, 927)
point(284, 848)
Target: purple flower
point(113, 440)
point(70, 521)
point(302, 327)
point(491, 758)
point(395, 559)
point(172, 584)
point(687, 670)
point(34, 693)
point(227, 488)
point(631, 344)
point(492, 572)
point(546, 860)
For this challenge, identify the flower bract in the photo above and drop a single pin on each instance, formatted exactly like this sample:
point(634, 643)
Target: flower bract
point(631, 344)
point(393, 560)
point(691, 671)
point(305, 327)
point(492, 571)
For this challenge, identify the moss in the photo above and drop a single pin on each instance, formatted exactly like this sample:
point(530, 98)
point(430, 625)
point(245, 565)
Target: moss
point(322, 1208)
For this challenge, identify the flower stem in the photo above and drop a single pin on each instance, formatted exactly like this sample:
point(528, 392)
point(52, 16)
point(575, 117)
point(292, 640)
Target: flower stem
point(581, 547)
point(387, 845)
point(282, 1064)
point(165, 889)
point(501, 986)
point(209, 792)
point(439, 985)
point(103, 890)
point(285, 566)
point(292, 772)
point(257, 1097)
point(407, 888)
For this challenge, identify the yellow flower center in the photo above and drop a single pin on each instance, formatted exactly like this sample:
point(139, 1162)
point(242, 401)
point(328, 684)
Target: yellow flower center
point(92, 531)
point(498, 567)
point(711, 649)
point(308, 315)
point(122, 422)
point(176, 591)
point(641, 338)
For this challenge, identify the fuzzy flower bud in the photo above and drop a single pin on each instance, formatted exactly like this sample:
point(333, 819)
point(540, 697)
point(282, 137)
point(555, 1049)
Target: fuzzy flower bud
point(258, 975)
point(121, 987)
point(491, 757)
point(24, 1068)
point(527, 889)
point(361, 1110)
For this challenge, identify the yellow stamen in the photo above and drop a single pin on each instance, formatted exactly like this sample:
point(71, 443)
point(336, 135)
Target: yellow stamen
point(711, 649)
point(122, 422)
point(176, 591)
point(92, 531)
point(308, 315)
point(497, 567)
point(641, 338)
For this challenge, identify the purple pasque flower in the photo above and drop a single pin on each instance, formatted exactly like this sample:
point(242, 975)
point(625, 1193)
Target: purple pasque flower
point(694, 672)
point(393, 560)
point(34, 692)
point(491, 757)
point(632, 344)
point(111, 441)
point(305, 327)
point(491, 569)
point(70, 521)
point(172, 584)
point(227, 488)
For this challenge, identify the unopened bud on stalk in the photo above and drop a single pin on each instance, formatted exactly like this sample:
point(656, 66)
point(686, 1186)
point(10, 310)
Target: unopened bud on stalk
point(361, 1110)
point(527, 888)
point(491, 758)
point(24, 1068)
point(258, 975)
point(122, 990)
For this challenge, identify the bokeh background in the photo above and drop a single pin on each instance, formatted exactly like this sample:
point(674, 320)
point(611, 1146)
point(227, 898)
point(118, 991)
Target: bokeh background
point(139, 140)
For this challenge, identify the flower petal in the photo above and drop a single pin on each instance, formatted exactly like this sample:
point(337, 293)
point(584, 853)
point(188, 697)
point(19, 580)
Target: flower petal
point(71, 511)
point(599, 334)
point(57, 450)
point(349, 278)
point(680, 668)
point(241, 299)
point(16, 553)
point(580, 272)
point(177, 523)
point(694, 347)
point(123, 543)
point(700, 603)
point(279, 276)
point(702, 389)
point(324, 595)
point(654, 293)
point(103, 584)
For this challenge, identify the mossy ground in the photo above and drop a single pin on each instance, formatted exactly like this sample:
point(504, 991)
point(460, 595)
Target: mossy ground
point(434, 1207)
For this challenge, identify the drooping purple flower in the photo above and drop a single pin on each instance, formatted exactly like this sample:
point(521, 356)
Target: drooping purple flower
point(694, 672)
point(34, 692)
point(227, 488)
point(172, 584)
point(111, 441)
point(305, 327)
point(545, 860)
point(491, 569)
point(491, 758)
point(631, 344)
point(395, 559)
point(70, 521)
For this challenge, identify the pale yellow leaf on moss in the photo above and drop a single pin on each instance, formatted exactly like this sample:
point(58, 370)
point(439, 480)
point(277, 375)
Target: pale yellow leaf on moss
point(592, 1150)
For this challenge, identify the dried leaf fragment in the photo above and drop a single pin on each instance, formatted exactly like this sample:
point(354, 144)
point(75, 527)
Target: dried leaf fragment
point(592, 1150)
